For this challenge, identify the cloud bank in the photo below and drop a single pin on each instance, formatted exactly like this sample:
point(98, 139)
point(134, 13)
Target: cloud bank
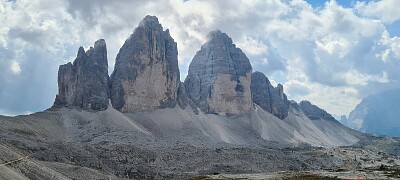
point(331, 55)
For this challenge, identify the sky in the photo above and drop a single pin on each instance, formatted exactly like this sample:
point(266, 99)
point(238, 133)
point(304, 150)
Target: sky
point(332, 53)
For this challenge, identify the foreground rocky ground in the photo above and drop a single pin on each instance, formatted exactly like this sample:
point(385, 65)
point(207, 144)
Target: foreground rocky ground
point(69, 161)
point(69, 144)
point(357, 163)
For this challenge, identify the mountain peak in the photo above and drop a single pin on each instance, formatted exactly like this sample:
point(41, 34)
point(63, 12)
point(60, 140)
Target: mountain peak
point(81, 52)
point(84, 84)
point(378, 114)
point(219, 77)
point(150, 22)
point(99, 43)
point(218, 36)
point(146, 73)
point(314, 112)
point(267, 97)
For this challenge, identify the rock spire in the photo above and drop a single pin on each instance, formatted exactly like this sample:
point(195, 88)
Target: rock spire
point(219, 77)
point(85, 83)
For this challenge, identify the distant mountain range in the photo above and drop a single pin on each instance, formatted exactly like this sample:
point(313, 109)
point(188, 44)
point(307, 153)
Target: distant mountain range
point(377, 114)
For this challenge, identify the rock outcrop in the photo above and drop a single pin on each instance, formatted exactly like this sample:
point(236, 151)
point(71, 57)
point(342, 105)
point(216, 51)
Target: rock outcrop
point(314, 112)
point(267, 97)
point(146, 74)
point(85, 83)
point(219, 77)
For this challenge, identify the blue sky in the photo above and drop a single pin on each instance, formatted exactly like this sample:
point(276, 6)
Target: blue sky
point(332, 53)
point(320, 3)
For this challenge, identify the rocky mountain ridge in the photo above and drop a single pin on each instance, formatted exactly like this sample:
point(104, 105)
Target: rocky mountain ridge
point(267, 97)
point(146, 77)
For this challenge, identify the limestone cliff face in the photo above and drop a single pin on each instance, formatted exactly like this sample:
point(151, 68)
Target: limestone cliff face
point(267, 97)
point(146, 74)
point(219, 77)
point(85, 83)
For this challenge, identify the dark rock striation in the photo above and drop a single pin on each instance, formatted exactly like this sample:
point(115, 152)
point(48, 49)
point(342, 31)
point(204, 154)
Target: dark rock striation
point(85, 83)
point(219, 77)
point(314, 112)
point(182, 98)
point(267, 97)
point(146, 74)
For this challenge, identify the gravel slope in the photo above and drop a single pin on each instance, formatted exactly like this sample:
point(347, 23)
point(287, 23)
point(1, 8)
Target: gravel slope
point(163, 144)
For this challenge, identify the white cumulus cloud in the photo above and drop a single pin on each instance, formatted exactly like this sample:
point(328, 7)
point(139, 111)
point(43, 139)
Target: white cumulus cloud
point(331, 55)
point(385, 10)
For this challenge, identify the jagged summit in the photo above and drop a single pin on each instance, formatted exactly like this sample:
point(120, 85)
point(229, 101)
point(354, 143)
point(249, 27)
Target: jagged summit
point(225, 53)
point(267, 97)
point(314, 112)
point(84, 83)
point(100, 42)
point(81, 52)
point(219, 77)
point(150, 22)
point(217, 36)
point(146, 73)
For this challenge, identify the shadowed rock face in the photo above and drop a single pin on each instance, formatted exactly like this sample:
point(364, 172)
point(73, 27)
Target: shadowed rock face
point(314, 112)
point(219, 77)
point(267, 97)
point(85, 83)
point(146, 74)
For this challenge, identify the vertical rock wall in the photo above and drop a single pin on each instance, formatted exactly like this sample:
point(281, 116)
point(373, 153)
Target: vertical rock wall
point(85, 83)
point(219, 77)
point(146, 74)
point(267, 97)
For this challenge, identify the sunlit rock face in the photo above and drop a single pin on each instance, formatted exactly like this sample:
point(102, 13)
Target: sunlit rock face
point(219, 77)
point(84, 83)
point(146, 74)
